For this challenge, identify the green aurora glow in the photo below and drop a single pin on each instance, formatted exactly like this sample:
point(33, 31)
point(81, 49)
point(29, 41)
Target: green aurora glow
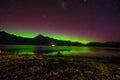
point(75, 51)
point(66, 51)
point(28, 34)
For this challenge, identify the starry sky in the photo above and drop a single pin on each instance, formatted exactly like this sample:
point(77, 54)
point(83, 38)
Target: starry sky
point(77, 20)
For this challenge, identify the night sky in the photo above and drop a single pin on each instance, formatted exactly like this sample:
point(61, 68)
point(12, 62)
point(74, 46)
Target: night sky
point(75, 20)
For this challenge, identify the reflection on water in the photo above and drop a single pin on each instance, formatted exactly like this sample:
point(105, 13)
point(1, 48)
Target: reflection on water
point(65, 50)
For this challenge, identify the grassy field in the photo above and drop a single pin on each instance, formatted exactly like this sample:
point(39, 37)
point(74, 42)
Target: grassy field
point(37, 67)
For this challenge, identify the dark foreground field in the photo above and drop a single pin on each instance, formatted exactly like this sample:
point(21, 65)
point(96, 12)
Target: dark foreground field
point(27, 67)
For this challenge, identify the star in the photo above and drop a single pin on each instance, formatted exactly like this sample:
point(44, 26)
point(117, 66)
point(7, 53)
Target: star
point(63, 5)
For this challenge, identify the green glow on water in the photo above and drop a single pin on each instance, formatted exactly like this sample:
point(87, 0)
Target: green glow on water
point(47, 50)
point(75, 51)
point(22, 52)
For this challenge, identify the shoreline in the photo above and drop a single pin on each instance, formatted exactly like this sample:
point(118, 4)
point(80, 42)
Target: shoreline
point(37, 67)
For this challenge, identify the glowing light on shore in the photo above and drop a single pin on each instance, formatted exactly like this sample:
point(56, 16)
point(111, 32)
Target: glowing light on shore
point(53, 45)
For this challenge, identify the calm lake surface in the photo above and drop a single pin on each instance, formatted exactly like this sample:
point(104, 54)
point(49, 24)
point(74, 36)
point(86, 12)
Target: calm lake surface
point(65, 50)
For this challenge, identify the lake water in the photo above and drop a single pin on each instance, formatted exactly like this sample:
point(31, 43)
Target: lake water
point(65, 50)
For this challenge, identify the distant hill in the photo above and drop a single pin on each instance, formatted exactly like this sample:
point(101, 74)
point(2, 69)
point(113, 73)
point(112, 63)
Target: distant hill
point(105, 44)
point(6, 38)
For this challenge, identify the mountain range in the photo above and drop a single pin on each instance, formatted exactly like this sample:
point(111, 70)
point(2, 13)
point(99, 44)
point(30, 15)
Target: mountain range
point(7, 38)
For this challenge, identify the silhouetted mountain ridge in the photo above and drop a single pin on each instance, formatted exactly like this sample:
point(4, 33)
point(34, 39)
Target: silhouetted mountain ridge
point(6, 38)
point(104, 44)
